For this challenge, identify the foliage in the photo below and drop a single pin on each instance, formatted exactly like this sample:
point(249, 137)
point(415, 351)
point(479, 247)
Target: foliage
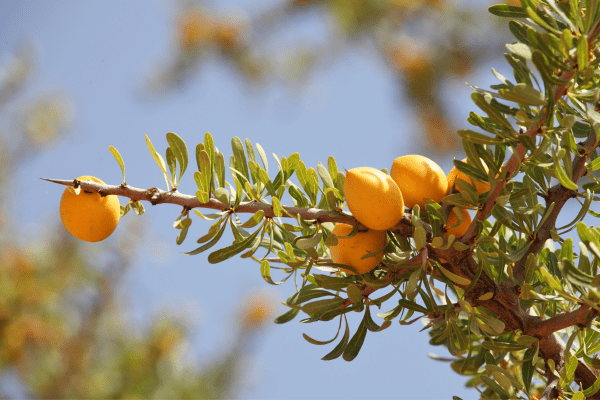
point(501, 298)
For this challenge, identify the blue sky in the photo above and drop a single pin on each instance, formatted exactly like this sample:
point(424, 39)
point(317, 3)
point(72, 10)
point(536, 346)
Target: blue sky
point(98, 54)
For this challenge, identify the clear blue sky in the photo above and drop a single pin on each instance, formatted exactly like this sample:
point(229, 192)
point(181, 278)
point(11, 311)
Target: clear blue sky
point(98, 54)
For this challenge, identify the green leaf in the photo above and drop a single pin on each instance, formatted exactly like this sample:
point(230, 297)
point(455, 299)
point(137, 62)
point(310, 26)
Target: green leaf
point(583, 53)
point(497, 345)
point(494, 386)
point(459, 280)
point(568, 373)
point(574, 275)
point(184, 225)
point(354, 293)
point(527, 370)
point(265, 272)
point(320, 306)
point(524, 94)
point(220, 169)
point(119, 159)
point(420, 237)
point(230, 251)
point(355, 344)
point(411, 305)
point(239, 155)
point(171, 163)
point(478, 138)
point(254, 220)
point(503, 10)
point(333, 169)
point(159, 160)
point(287, 317)
point(341, 346)
point(180, 151)
point(325, 177)
point(308, 292)
point(211, 243)
point(561, 175)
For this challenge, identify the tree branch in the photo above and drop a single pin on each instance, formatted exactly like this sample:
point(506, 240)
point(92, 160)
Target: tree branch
point(579, 317)
point(158, 196)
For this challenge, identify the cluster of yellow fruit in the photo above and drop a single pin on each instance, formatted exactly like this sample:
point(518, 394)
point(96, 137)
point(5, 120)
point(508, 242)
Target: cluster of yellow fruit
point(89, 216)
point(378, 200)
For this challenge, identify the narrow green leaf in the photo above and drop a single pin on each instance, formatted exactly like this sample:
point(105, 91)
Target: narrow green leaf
point(459, 280)
point(325, 177)
point(355, 344)
point(524, 94)
point(561, 175)
point(239, 155)
point(494, 386)
point(209, 244)
point(159, 160)
point(503, 10)
point(411, 305)
point(320, 306)
point(582, 53)
point(119, 159)
point(265, 272)
point(230, 251)
point(180, 151)
point(254, 220)
point(287, 317)
point(171, 163)
point(341, 346)
point(478, 138)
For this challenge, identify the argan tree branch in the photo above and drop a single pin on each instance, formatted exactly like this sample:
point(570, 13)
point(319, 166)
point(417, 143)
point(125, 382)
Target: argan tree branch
point(579, 317)
point(158, 196)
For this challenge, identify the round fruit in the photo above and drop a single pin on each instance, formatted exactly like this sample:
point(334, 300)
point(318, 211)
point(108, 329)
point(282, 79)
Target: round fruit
point(373, 198)
point(454, 174)
point(458, 231)
point(419, 178)
point(89, 216)
point(350, 250)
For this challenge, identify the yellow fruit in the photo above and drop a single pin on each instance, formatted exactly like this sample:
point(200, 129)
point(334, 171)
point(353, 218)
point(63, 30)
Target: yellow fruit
point(89, 216)
point(373, 198)
point(456, 174)
point(350, 250)
point(419, 178)
point(458, 231)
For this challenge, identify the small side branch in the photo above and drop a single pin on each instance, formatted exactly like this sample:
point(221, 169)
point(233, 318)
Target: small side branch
point(579, 317)
point(159, 196)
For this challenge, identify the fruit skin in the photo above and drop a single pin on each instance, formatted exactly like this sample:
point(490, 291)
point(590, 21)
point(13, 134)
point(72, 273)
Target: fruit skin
point(374, 198)
point(458, 231)
point(456, 174)
point(350, 250)
point(89, 216)
point(419, 178)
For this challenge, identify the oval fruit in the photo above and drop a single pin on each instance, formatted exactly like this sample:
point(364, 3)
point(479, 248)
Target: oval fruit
point(419, 178)
point(373, 198)
point(454, 174)
point(458, 231)
point(349, 251)
point(89, 216)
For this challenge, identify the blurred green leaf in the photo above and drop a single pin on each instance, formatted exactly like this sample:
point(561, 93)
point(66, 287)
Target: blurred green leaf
point(503, 10)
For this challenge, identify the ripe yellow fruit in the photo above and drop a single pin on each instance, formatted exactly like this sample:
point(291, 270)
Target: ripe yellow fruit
point(419, 178)
point(456, 174)
point(373, 198)
point(350, 250)
point(458, 231)
point(89, 216)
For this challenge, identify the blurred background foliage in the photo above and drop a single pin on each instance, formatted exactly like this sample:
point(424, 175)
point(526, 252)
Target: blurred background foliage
point(64, 329)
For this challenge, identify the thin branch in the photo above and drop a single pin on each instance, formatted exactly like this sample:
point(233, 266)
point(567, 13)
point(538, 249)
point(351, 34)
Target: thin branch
point(158, 196)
